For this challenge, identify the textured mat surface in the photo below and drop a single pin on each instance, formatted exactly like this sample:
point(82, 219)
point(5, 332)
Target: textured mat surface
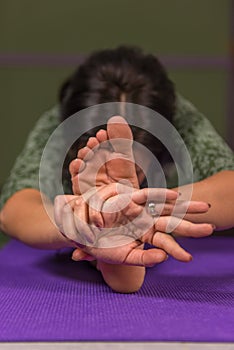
point(45, 296)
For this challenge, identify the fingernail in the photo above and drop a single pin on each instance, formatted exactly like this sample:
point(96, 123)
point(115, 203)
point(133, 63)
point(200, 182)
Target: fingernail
point(98, 225)
point(75, 258)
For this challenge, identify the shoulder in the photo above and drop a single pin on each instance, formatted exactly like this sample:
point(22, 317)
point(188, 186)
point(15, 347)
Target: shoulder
point(208, 150)
point(49, 119)
point(44, 126)
point(187, 113)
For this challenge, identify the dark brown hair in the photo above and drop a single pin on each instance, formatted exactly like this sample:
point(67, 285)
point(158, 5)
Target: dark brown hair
point(107, 75)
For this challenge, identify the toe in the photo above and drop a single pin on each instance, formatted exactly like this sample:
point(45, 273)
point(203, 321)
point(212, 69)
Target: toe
point(85, 153)
point(118, 127)
point(120, 135)
point(101, 135)
point(92, 142)
point(76, 166)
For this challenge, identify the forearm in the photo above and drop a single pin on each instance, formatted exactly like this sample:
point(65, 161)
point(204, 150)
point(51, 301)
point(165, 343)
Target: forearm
point(122, 278)
point(24, 217)
point(218, 190)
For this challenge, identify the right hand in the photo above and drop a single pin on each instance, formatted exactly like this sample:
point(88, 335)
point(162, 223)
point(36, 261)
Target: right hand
point(73, 216)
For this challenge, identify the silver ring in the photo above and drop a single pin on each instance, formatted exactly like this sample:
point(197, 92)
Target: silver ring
point(152, 209)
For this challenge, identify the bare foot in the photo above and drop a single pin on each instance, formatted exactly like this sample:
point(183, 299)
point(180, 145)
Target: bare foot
point(107, 158)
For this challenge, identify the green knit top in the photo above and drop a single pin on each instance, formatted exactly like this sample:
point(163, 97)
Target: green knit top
point(208, 151)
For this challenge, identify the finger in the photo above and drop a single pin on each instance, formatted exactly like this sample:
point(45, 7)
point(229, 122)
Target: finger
point(191, 207)
point(68, 227)
point(85, 234)
point(111, 212)
point(153, 194)
point(181, 207)
point(73, 225)
point(132, 210)
point(115, 208)
point(145, 258)
point(59, 203)
point(178, 226)
point(169, 245)
point(188, 229)
point(104, 192)
point(96, 202)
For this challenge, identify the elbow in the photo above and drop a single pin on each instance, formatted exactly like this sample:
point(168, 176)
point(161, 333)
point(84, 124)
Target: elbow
point(2, 221)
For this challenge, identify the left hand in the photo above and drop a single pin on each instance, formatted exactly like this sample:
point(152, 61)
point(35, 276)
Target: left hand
point(123, 242)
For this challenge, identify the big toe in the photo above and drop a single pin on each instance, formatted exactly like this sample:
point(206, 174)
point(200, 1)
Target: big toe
point(120, 135)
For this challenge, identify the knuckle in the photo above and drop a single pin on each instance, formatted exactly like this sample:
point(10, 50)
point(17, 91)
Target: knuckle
point(67, 209)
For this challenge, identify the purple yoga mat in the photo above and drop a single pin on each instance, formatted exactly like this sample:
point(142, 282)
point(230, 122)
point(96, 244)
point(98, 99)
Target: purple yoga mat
point(45, 296)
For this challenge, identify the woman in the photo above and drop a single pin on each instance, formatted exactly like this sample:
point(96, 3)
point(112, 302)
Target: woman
point(123, 74)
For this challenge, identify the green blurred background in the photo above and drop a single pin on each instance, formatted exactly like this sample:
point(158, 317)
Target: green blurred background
point(35, 33)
